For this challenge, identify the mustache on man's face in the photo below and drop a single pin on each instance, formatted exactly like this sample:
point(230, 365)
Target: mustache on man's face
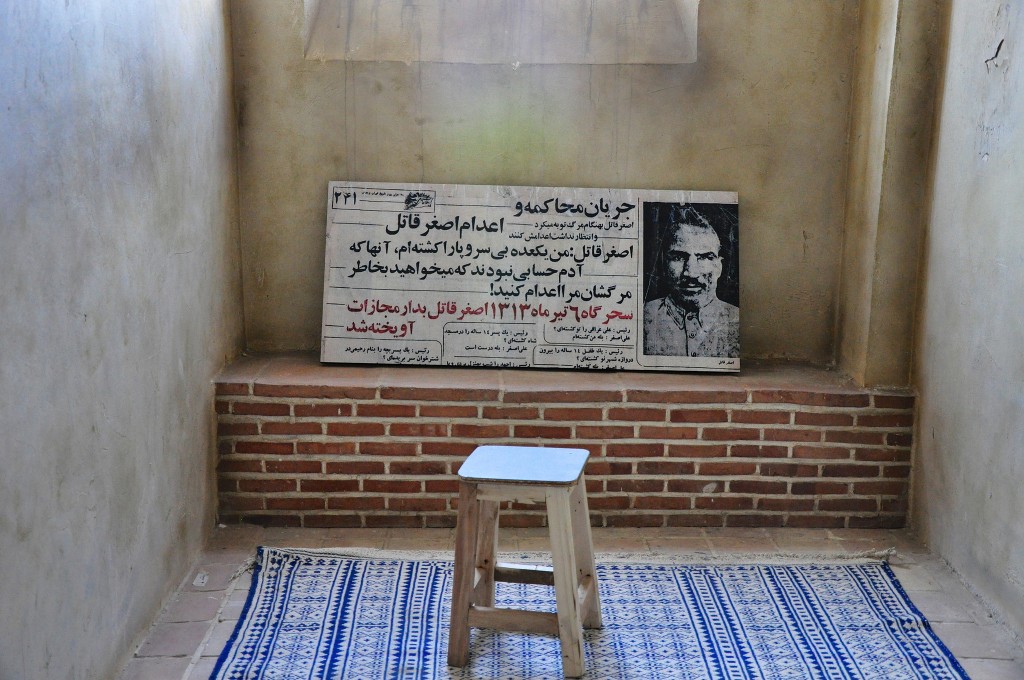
point(692, 282)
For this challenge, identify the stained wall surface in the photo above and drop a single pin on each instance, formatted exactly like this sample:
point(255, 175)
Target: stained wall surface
point(887, 188)
point(969, 464)
point(764, 112)
point(121, 299)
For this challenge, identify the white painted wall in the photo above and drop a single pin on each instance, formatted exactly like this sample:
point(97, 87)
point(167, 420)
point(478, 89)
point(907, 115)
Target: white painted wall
point(969, 471)
point(119, 300)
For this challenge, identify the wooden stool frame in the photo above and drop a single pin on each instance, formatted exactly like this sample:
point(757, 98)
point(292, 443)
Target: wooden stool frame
point(476, 570)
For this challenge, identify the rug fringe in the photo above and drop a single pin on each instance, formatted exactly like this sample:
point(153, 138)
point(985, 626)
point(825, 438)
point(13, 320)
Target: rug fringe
point(695, 557)
point(248, 565)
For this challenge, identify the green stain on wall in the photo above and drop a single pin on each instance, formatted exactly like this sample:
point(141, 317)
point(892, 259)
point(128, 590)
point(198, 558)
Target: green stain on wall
point(504, 141)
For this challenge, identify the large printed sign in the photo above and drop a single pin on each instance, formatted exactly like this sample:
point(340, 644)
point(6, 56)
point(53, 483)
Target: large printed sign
point(463, 275)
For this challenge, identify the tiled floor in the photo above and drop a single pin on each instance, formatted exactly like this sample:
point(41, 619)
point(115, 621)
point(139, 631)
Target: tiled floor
point(184, 642)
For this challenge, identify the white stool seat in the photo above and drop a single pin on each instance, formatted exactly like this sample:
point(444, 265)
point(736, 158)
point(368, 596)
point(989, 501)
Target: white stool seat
point(524, 474)
point(524, 465)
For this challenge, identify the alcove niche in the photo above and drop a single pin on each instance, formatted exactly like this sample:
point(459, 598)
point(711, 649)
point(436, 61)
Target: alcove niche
point(434, 92)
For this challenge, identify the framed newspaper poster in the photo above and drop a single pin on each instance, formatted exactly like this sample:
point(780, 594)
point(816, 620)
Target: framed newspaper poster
point(547, 277)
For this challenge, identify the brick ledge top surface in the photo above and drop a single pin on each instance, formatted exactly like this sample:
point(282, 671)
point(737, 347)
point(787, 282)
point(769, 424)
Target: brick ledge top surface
point(304, 368)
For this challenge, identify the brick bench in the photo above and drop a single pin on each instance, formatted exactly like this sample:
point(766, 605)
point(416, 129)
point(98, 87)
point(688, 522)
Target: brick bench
point(303, 444)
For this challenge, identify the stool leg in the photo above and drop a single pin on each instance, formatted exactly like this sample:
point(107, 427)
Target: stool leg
point(584, 548)
point(570, 629)
point(465, 571)
point(486, 552)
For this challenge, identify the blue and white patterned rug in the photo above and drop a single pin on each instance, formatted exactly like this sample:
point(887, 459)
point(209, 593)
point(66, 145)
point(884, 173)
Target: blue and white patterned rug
point(324, 615)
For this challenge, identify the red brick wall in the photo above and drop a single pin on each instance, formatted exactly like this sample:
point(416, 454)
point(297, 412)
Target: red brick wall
point(361, 455)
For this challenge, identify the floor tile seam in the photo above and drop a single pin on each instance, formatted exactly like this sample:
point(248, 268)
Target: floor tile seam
point(1016, 637)
point(963, 656)
point(197, 655)
point(162, 611)
point(1009, 640)
point(1016, 666)
point(705, 547)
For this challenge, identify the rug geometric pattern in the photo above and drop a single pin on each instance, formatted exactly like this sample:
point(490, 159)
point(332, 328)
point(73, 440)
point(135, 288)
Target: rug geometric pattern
point(317, 615)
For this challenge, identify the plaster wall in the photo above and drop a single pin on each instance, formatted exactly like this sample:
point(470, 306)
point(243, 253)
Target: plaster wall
point(121, 299)
point(869, 120)
point(764, 111)
point(890, 148)
point(969, 464)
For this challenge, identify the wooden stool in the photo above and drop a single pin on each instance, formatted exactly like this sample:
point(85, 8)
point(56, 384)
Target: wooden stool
point(524, 474)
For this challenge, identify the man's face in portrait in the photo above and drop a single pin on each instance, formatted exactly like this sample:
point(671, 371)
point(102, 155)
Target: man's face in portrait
point(694, 265)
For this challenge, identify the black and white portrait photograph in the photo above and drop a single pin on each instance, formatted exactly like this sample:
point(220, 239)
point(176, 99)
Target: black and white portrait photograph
point(691, 280)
